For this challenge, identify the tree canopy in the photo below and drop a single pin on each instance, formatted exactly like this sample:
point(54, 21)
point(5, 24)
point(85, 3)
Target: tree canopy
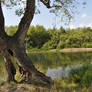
point(64, 9)
point(40, 38)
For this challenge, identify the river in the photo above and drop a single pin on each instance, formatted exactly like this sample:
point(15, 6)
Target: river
point(53, 64)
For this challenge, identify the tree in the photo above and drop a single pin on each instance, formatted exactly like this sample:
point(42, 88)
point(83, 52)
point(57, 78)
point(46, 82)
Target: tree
point(15, 44)
point(36, 37)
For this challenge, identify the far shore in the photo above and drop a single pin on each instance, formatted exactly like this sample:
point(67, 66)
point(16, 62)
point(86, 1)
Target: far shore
point(73, 50)
point(61, 50)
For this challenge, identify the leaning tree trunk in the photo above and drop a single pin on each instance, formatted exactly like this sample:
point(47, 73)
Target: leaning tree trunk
point(11, 71)
point(16, 45)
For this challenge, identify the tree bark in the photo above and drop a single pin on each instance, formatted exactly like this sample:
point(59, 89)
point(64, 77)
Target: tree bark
point(26, 20)
point(27, 65)
point(15, 44)
point(11, 71)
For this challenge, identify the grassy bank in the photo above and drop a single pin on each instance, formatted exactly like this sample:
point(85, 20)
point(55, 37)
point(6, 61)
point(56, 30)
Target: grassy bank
point(12, 87)
point(60, 50)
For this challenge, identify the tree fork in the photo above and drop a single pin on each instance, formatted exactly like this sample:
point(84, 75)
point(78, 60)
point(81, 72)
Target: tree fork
point(16, 45)
point(19, 50)
point(26, 64)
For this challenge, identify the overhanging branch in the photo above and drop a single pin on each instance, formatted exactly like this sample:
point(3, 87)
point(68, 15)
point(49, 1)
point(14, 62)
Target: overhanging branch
point(47, 4)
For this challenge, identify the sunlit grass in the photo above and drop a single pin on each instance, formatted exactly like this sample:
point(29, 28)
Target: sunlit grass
point(58, 86)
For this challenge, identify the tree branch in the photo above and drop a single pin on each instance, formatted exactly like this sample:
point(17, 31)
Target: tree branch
point(47, 4)
point(56, 6)
point(26, 20)
point(2, 27)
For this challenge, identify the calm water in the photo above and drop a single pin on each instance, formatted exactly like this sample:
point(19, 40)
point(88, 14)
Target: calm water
point(53, 63)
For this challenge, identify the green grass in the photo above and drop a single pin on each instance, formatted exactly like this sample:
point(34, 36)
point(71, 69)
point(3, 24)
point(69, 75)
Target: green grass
point(59, 86)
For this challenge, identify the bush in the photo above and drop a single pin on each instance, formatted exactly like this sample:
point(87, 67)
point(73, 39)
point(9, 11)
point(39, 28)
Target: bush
point(89, 45)
point(11, 30)
point(84, 45)
point(50, 45)
point(39, 37)
point(87, 79)
point(82, 75)
point(61, 45)
point(36, 37)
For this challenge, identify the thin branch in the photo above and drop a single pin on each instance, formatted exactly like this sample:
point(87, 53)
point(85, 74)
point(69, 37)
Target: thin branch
point(47, 4)
point(56, 6)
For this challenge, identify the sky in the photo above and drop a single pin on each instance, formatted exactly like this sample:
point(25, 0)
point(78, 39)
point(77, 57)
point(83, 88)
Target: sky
point(83, 18)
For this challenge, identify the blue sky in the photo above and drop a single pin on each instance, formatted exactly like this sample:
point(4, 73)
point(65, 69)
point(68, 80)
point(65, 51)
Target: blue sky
point(81, 19)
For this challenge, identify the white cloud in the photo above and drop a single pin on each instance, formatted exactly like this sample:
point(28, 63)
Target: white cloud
point(82, 25)
point(86, 25)
point(72, 26)
point(84, 15)
point(89, 25)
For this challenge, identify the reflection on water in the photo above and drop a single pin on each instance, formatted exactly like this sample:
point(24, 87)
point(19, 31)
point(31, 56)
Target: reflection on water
point(55, 65)
point(59, 73)
point(55, 73)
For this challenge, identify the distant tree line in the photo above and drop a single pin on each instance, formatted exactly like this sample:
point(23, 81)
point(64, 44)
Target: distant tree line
point(41, 38)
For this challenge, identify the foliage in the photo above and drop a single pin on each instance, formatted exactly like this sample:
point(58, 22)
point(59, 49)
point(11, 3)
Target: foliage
point(41, 38)
point(82, 75)
point(64, 9)
point(36, 37)
point(55, 38)
point(76, 38)
point(87, 45)
point(11, 30)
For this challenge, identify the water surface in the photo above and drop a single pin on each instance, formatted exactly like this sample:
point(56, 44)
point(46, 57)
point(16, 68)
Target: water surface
point(52, 62)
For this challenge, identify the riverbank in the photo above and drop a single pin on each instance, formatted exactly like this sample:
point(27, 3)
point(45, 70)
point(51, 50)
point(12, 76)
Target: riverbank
point(61, 50)
point(13, 87)
point(74, 50)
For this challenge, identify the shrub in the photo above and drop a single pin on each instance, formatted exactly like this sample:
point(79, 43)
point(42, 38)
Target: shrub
point(89, 45)
point(87, 79)
point(50, 45)
point(61, 45)
point(82, 75)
